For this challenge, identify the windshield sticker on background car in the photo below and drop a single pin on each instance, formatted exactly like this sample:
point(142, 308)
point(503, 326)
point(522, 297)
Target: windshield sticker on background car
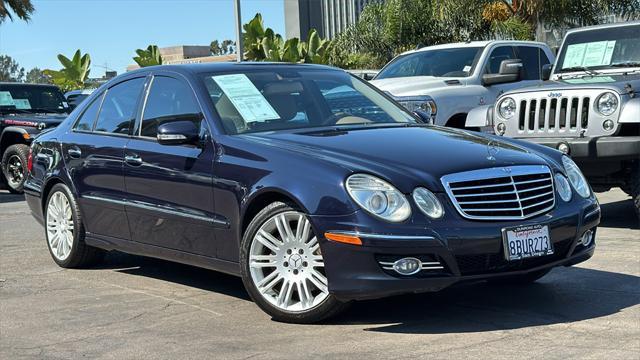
point(591, 80)
point(22, 104)
point(596, 53)
point(246, 98)
point(6, 99)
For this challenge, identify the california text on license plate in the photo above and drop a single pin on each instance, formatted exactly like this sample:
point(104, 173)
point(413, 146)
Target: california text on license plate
point(526, 241)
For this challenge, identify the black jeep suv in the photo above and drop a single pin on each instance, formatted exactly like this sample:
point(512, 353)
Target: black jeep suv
point(25, 111)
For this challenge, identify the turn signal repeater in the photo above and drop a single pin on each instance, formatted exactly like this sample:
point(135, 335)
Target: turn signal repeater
point(343, 238)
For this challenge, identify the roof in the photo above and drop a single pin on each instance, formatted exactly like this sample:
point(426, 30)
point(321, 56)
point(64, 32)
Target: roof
point(603, 26)
point(232, 66)
point(9, 83)
point(474, 44)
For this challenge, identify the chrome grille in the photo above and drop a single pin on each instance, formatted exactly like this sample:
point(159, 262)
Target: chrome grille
point(563, 114)
point(509, 193)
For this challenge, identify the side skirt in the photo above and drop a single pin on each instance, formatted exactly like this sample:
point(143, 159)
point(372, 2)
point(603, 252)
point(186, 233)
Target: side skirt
point(136, 248)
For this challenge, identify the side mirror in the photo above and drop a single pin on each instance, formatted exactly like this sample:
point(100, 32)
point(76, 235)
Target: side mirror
point(179, 132)
point(546, 71)
point(509, 72)
point(424, 116)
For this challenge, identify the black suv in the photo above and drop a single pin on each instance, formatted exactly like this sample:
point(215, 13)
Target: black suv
point(25, 111)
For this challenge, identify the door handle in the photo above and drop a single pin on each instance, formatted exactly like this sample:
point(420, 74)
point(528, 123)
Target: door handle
point(74, 152)
point(133, 160)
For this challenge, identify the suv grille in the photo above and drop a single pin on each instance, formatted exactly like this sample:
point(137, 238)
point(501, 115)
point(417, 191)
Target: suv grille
point(564, 114)
point(513, 193)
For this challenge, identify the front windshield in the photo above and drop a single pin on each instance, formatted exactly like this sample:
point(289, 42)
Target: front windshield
point(21, 98)
point(456, 62)
point(606, 48)
point(271, 100)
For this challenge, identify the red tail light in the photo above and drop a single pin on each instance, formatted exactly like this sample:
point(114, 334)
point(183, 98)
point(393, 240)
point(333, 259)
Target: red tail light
point(30, 160)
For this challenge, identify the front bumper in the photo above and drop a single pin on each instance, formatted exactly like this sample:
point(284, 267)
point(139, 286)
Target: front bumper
point(609, 147)
point(467, 250)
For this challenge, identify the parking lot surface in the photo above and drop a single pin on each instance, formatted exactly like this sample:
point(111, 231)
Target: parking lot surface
point(135, 307)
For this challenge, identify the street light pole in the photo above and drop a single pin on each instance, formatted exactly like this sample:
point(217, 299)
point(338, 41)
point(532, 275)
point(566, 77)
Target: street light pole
point(239, 47)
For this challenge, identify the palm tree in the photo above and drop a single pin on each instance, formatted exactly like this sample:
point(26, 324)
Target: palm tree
point(74, 73)
point(20, 8)
point(149, 57)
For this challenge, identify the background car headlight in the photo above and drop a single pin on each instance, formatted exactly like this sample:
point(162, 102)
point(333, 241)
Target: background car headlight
point(428, 203)
point(562, 187)
point(378, 197)
point(607, 104)
point(576, 178)
point(507, 108)
point(412, 104)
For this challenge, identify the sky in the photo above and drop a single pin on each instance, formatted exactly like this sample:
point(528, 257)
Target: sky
point(111, 30)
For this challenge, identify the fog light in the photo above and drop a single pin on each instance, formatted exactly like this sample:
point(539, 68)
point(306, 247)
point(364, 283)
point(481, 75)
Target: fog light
point(586, 238)
point(564, 147)
point(607, 125)
point(407, 266)
point(502, 128)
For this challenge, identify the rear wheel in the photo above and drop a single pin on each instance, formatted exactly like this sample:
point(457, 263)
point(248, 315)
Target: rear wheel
point(520, 279)
point(14, 167)
point(283, 268)
point(65, 231)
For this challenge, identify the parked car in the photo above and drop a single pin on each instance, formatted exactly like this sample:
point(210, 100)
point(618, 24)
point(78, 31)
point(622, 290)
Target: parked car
point(75, 97)
point(364, 74)
point(590, 109)
point(313, 194)
point(447, 81)
point(25, 111)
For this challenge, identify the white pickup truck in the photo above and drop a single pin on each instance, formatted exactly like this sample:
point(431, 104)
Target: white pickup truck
point(446, 81)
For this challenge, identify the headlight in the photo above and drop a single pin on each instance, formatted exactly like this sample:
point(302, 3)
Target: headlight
point(428, 203)
point(425, 104)
point(576, 178)
point(562, 187)
point(507, 108)
point(607, 104)
point(378, 197)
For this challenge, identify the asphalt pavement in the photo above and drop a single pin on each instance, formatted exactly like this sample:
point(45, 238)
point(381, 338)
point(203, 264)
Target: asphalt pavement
point(136, 307)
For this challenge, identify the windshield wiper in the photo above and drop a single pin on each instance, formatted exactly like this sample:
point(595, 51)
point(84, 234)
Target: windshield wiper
point(626, 64)
point(588, 70)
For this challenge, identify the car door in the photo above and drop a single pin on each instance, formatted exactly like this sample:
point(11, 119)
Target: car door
point(94, 155)
point(169, 187)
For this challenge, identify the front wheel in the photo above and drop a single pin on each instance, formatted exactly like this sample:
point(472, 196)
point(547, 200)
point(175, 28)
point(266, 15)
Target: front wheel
point(283, 268)
point(14, 167)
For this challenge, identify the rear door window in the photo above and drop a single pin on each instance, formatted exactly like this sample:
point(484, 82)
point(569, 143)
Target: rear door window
point(88, 117)
point(533, 58)
point(119, 107)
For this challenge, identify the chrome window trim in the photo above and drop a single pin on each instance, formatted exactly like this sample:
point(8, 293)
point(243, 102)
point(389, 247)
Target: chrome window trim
point(496, 172)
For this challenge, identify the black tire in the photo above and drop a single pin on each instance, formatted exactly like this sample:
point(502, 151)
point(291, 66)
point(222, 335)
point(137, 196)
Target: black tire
point(634, 191)
point(81, 255)
point(329, 306)
point(15, 152)
point(520, 279)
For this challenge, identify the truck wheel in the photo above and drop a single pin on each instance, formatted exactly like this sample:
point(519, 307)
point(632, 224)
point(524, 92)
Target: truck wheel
point(14, 167)
point(635, 193)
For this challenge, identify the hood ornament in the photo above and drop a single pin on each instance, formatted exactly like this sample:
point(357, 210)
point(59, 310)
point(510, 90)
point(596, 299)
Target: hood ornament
point(492, 150)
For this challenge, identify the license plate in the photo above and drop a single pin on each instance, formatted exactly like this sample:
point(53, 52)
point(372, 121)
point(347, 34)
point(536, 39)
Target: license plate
point(526, 241)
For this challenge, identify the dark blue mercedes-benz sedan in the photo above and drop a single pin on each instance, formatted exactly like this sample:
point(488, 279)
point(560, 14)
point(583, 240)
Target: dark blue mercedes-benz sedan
point(310, 184)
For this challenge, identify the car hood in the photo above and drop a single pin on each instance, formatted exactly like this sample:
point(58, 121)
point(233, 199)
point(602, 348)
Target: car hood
point(407, 156)
point(40, 121)
point(414, 85)
point(616, 82)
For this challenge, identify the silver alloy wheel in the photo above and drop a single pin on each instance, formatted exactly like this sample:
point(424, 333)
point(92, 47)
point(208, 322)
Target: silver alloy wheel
point(60, 226)
point(287, 267)
point(15, 170)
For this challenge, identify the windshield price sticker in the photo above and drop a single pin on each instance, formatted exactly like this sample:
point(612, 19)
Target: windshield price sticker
point(595, 53)
point(22, 104)
point(246, 98)
point(6, 99)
